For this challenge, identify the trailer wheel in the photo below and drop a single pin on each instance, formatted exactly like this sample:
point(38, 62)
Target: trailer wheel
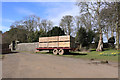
point(61, 52)
point(55, 51)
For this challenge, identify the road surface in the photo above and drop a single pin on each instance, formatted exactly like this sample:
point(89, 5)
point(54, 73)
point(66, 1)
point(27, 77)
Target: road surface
point(0, 69)
point(27, 65)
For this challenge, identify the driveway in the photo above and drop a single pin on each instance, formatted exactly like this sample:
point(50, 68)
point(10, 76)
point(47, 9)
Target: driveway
point(27, 65)
point(0, 68)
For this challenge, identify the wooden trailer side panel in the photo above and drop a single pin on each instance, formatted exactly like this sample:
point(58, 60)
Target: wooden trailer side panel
point(43, 39)
point(57, 41)
point(53, 44)
point(43, 44)
point(64, 38)
point(64, 44)
point(53, 39)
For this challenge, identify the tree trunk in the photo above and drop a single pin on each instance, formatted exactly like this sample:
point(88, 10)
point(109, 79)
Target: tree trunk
point(112, 32)
point(117, 25)
point(69, 30)
point(100, 44)
point(107, 36)
point(117, 37)
point(80, 46)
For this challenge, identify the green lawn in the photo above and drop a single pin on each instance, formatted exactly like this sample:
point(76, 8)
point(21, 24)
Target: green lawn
point(110, 55)
point(104, 55)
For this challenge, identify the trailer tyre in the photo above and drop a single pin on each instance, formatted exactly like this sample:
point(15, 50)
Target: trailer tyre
point(61, 52)
point(55, 51)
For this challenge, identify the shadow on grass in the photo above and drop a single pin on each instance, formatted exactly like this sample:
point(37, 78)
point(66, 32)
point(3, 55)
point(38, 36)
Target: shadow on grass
point(71, 53)
point(93, 50)
point(12, 52)
point(45, 52)
point(68, 53)
point(104, 49)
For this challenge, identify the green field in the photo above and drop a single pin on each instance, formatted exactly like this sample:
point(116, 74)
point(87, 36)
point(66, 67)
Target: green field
point(110, 55)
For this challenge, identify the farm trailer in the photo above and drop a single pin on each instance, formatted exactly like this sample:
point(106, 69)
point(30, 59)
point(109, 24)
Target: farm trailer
point(58, 44)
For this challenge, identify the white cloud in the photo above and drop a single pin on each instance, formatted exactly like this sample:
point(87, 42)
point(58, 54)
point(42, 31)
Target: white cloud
point(24, 11)
point(4, 28)
point(56, 15)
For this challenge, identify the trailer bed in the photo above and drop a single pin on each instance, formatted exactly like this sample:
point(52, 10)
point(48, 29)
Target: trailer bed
point(66, 48)
point(57, 41)
point(59, 44)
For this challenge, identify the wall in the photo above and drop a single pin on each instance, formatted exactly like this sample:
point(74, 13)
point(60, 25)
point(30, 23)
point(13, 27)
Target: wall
point(27, 46)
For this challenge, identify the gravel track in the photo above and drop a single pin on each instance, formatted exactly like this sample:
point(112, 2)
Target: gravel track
point(27, 65)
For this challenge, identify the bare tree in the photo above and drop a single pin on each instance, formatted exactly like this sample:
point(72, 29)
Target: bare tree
point(31, 24)
point(77, 21)
point(50, 25)
point(46, 25)
point(93, 9)
point(117, 5)
point(110, 17)
point(67, 24)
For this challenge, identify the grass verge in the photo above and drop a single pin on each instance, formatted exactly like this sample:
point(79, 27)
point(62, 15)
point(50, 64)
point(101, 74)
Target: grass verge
point(106, 55)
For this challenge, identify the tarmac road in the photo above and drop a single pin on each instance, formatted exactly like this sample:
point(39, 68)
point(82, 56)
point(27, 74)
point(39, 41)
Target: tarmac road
point(0, 68)
point(27, 65)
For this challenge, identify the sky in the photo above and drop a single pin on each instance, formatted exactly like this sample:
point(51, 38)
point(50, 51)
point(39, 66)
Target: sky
point(54, 11)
